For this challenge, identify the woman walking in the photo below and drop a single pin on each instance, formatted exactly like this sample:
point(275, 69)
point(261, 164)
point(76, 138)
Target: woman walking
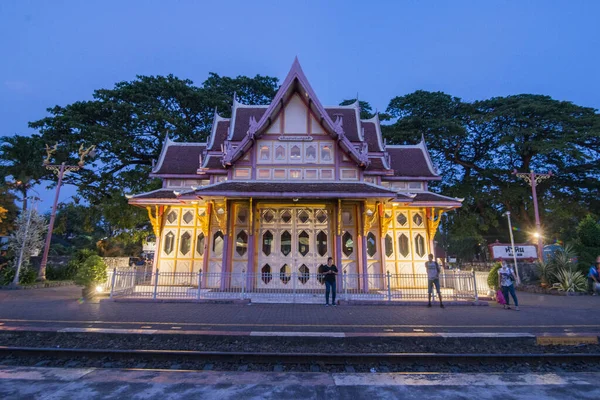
point(506, 277)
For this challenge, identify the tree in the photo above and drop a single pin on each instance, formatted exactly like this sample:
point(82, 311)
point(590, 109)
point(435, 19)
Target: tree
point(27, 239)
point(8, 211)
point(21, 163)
point(366, 110)
point(129, 123)
point(587, 244)
point(478, 144)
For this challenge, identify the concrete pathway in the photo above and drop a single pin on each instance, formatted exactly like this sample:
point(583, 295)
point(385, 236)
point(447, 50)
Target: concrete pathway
point(57, 383)
point(61, 308)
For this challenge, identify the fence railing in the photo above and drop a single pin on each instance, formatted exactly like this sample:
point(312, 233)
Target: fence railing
point(289, 287)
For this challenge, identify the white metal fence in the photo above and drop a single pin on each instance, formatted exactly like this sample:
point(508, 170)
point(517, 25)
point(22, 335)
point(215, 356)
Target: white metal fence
point(288, 287)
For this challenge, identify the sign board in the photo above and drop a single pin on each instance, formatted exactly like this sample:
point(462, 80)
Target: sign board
point(148, 247)
point(295, 138)
point(503, 251)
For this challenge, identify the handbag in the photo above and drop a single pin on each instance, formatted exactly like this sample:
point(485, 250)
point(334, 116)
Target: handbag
point(500, 297)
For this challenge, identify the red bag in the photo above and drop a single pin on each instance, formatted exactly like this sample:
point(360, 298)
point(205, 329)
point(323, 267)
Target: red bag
point(500, 297)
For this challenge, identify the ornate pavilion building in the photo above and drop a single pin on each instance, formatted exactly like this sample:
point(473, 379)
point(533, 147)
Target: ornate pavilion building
point(277, 189)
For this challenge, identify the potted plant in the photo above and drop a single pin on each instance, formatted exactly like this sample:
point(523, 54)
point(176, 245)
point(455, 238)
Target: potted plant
point(91, 275)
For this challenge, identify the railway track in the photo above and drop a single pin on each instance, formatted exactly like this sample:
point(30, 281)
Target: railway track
point(195, 360)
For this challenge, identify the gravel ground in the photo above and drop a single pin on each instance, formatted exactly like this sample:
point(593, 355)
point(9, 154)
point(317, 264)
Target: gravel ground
point(107, 362)
point(290, 345)
point(286, 344)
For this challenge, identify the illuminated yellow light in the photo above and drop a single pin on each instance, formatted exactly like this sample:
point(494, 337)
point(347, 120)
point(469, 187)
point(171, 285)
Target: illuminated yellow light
point(99, 289)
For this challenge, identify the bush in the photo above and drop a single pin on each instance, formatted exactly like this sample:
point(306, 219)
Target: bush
point(492, 279)
point(570, 280)
point(26, 276)
point(70, 271)
point(91, 272)
point(546, 271)
point(60, 273)
point(7, 274)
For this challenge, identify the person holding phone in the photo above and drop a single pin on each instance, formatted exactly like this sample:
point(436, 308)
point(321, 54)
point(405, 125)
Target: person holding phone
point(329, 273)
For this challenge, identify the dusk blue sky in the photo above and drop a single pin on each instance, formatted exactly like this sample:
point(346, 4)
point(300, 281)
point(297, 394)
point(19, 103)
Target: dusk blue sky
point(57, 52)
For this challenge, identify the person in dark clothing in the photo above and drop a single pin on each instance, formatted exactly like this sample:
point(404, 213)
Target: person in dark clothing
point(594, 277)
point(329, 273)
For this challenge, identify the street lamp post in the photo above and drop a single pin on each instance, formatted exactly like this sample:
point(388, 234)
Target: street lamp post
point(60, 170)
point(512, 243)
point(533, 179)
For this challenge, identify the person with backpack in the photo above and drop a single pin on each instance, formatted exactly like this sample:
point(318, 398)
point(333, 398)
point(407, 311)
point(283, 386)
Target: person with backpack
point(594, 277)
point(433, 278)
point(506, 277)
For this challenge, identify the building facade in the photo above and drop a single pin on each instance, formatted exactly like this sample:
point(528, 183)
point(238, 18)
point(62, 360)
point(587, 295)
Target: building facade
point(278, 189)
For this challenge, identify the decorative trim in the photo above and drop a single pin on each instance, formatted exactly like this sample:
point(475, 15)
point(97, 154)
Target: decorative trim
point(221, 219)
point(433, 221)
point(369, 221)
point(156, 219)
point(335, 128)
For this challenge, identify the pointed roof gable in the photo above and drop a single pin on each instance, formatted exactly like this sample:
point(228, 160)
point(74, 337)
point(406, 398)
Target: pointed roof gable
point(412, 162)
point(295, 81)
point(372, 133)
point(178, 158)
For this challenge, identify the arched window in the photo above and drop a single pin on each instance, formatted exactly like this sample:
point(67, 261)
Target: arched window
point(186, 243)
point(295, 152)
point(265, 152)
point(217, 246)
point(326, 153)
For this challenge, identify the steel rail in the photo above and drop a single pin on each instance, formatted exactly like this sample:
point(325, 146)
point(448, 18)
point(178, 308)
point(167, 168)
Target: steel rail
point(298, 358)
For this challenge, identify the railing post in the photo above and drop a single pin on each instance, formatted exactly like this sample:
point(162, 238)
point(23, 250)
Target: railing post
point(112, 282)
point(389, 285)
point(294, 287)
point(243, 283)
point(132, 280)
point(199, 285)
point(475, 285)
point(345, 283)
point(155, 285)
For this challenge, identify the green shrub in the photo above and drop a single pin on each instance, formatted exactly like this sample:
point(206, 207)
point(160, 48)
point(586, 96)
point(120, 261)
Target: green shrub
point(59, 273)
point(7, 274)
point(546, 271)
point(91, 272)
point(570, 280)
point(492, 279)
point(70, 271)
point(27, 276)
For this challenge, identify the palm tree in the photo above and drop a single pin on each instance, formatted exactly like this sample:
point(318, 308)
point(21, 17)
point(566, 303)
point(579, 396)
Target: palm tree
point(21, 163)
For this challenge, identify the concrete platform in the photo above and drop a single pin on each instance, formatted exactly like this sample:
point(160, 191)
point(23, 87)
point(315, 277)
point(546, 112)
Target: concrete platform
point(61, 308)
point(89, 383)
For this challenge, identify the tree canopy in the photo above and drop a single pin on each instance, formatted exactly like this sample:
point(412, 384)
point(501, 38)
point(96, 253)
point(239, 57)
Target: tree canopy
point(21, 164)
point(478, 144)
point(129, 123)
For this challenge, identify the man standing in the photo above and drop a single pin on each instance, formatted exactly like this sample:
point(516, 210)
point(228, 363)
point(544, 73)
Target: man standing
point(329, 272)
point(433, 278)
